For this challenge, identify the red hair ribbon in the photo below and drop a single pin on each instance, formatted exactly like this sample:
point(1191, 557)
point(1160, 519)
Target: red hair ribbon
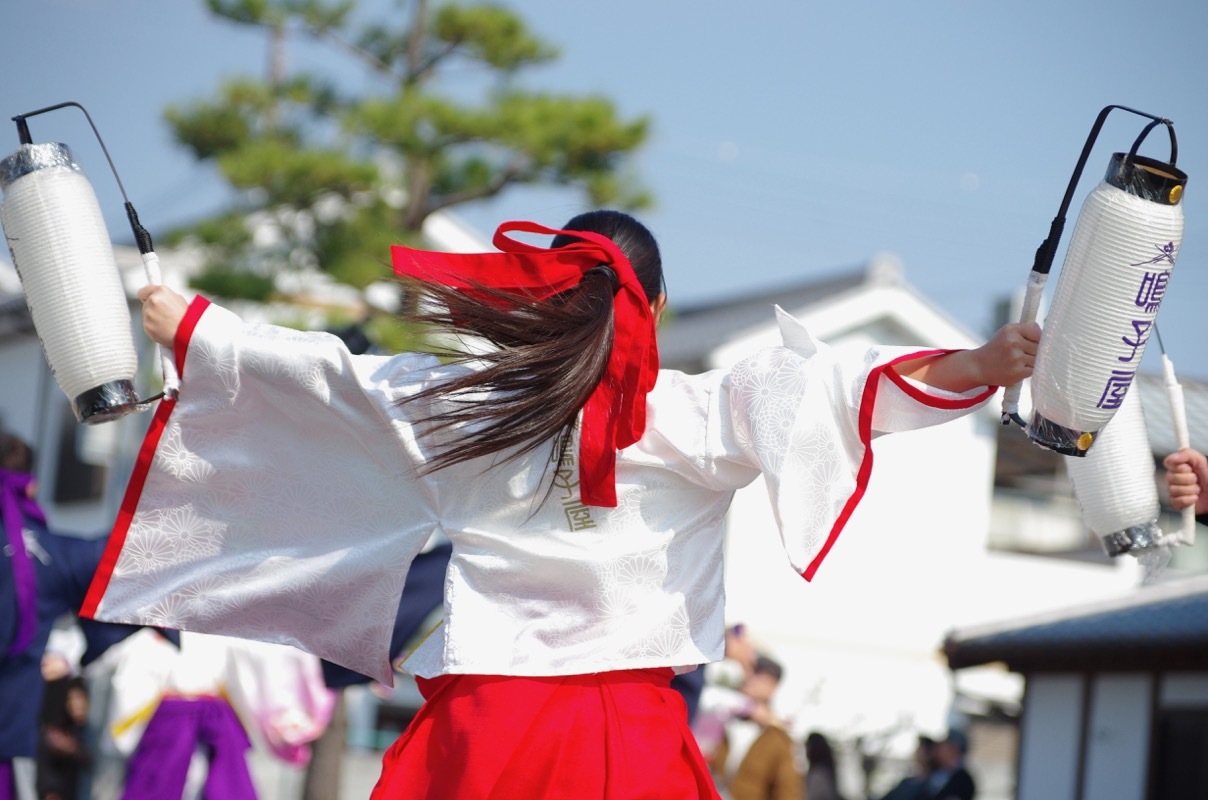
point(614, 416)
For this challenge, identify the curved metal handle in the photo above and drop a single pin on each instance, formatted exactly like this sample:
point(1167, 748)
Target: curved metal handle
point(1174, 143)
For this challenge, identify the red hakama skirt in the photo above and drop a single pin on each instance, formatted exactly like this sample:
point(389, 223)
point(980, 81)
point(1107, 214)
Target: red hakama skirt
point(606, 736)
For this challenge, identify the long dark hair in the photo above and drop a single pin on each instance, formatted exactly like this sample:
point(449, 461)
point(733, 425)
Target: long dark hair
point(547, 358)
point(818, 751)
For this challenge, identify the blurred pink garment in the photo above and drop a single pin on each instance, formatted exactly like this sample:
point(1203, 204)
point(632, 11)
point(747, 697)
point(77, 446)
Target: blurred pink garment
point(281, 696)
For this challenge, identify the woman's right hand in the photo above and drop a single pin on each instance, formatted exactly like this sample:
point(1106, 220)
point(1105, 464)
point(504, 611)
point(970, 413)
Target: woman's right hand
point(163, 309)
point(1186, 478)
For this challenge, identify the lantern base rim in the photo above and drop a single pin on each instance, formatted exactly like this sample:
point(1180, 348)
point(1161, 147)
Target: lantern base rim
point(1055, 436)
point(1132, 539)
point(107, 402)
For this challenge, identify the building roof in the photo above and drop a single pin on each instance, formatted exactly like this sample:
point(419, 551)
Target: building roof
point(1161, 626)
point(694, 331)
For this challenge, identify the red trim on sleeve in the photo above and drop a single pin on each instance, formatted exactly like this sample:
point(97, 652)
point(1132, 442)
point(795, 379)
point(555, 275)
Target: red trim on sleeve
point(184, 331)
point(142, 466)
point(125, 514)
point(867, 403)
point(920, 396)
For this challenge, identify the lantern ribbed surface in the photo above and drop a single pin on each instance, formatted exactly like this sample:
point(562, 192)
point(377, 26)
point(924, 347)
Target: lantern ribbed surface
point(1114, 482)
point(1116, 271)
point(64, 258)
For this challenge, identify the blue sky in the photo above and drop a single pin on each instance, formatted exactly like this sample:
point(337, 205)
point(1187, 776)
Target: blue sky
point(791, 139)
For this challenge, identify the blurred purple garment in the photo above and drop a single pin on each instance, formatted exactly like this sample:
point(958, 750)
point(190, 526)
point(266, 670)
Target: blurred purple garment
point(15, 505)
point(6, 781)
point(160, 763)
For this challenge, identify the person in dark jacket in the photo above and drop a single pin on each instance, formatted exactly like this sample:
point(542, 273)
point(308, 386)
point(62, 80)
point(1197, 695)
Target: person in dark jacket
point(914, 785)
point(951, 781)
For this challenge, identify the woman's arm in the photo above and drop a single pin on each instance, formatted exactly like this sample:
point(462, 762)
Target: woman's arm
point(1005, 360)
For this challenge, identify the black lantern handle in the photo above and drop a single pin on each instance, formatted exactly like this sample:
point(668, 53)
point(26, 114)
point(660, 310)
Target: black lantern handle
point(142, 236)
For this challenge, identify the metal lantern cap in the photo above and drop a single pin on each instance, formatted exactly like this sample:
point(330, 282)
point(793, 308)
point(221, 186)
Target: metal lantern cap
point(108, 402)
point(33, 157)
point(1147, 178)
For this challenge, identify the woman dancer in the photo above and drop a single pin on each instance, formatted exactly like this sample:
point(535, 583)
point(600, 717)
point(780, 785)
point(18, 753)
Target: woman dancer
point(283, 495)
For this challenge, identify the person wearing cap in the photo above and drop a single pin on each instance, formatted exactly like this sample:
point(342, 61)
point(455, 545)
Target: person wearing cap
point(285, 491)
point(951, 780)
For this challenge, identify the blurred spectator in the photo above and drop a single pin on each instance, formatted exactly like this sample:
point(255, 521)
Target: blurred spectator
point(750, 716)
point(215, 698)
point(769, 770)
point(738, 687)
point(950, 780)
point(821, 781)
point(62, 751)
point(914, 785)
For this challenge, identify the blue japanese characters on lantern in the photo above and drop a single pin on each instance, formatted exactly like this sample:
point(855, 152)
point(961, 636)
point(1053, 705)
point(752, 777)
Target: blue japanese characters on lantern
point(1151, 288)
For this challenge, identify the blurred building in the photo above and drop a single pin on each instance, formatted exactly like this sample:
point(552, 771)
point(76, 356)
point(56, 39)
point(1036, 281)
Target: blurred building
point(1116, 700)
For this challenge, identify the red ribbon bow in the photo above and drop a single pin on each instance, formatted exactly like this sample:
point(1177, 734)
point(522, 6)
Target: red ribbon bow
point(614, 416)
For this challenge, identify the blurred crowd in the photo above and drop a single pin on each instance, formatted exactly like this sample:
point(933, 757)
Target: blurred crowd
point(753, 753)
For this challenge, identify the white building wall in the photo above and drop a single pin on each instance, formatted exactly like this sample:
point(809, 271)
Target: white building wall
point(1050, 735)
point(1118, 737)
point(1118, 732)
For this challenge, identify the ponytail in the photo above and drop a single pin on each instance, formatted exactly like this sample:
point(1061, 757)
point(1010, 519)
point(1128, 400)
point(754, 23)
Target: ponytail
point(547, 358)
point(548, 355)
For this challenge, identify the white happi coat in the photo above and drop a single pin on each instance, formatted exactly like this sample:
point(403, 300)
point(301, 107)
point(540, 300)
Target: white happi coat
point(281, 497)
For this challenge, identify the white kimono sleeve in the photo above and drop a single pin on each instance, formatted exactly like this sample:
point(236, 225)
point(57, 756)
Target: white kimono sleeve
point(807, 418)
point(274, 499)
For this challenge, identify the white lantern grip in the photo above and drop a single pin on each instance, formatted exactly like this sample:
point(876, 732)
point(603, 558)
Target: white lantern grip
point(1027, 313)
point(1182, 438)
point(146, 249)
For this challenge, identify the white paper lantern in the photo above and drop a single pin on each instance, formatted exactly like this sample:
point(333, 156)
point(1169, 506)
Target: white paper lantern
point(1115, 483)
point(1116, 272)
point(64, 258)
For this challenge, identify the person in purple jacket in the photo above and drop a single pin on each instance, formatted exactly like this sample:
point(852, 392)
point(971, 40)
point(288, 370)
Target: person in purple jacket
point(43, 575)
